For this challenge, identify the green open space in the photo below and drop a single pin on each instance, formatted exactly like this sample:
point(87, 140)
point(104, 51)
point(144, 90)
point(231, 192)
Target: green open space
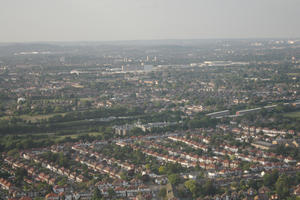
point(295, 115)
point(33, 118)
point(293, 74)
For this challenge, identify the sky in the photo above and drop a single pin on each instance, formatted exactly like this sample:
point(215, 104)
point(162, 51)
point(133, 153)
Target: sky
point(110, 20)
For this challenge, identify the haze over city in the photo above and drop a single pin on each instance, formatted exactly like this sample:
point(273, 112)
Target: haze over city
point(105, 20)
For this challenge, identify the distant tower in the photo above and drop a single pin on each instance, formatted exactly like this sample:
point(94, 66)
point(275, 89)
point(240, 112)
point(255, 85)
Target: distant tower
point(155, 59)
point(147, 59)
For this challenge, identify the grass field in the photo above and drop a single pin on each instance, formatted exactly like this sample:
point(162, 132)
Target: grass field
point(293, 115)
point(33, 118)
point(294, 74)
point(39, 117)
point(74, 136)
point(58, 138)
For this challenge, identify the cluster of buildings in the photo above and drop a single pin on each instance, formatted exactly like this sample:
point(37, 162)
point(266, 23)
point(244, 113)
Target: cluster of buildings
point(124, 189)
point(39, 170)
point(226, 159)
point(220, 158)
point(125, 129)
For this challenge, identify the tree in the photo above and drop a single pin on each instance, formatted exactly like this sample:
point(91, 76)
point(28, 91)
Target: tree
point(12, 152)
point(147, 166)
point(254, 184)
point(162, 169)
point(209, 188)
point(20, 174)
point(298, 177)
point(111, 193)
point(136, 131)
point(174, 179)
point(270, 179)
point(173, 168)
point(162, 192)
point(191, 186)
point(282, 187)
point(97, 195)
point(63, 181)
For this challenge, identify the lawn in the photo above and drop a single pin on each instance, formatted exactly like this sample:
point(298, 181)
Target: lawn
point(33, 118)
point(74, 136)
point(294, 74)
point(293, 114)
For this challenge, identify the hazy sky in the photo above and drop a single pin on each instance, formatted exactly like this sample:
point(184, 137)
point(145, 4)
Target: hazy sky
point(102, 20)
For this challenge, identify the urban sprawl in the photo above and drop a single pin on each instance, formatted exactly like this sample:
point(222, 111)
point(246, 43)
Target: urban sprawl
point(174, 119)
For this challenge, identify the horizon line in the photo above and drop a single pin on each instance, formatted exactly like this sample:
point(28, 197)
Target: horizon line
point(146, 40)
